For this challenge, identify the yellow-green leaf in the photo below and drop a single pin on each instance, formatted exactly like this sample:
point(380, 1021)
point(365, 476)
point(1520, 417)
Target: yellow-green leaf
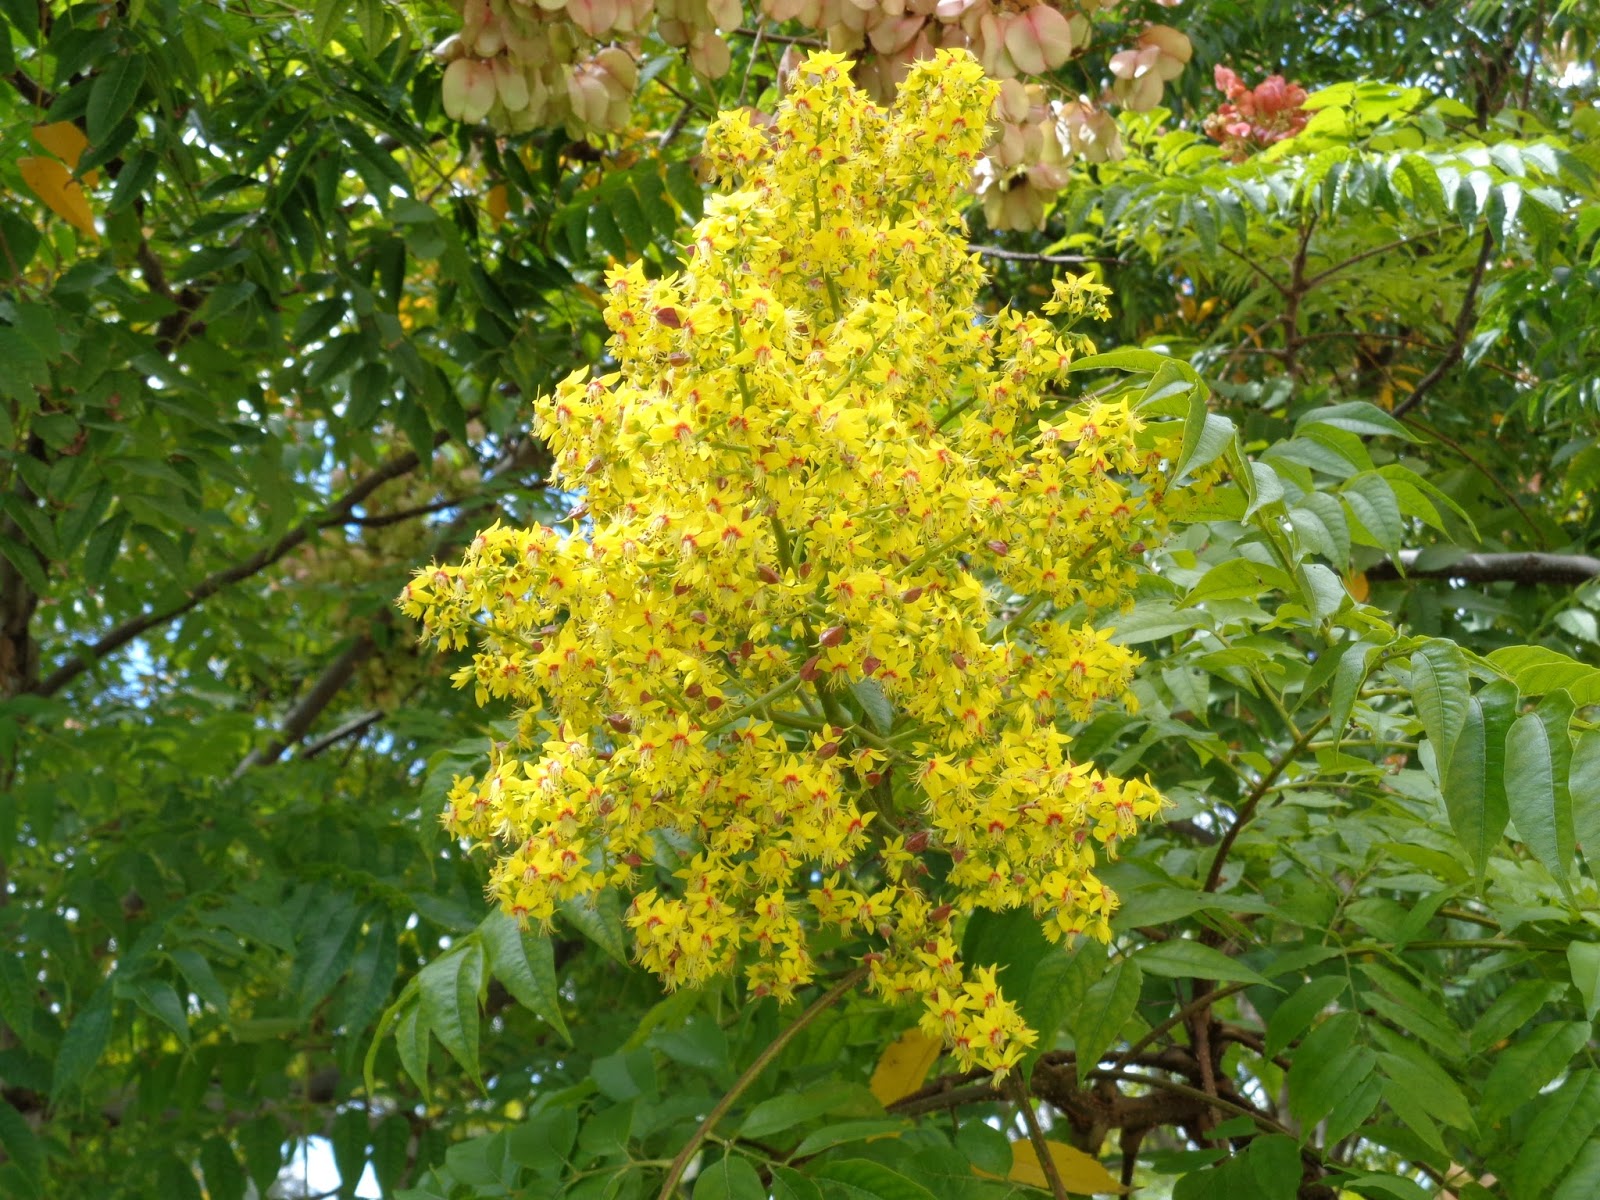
point(1081, 1174)
point(904, 1065)
point(52, 182)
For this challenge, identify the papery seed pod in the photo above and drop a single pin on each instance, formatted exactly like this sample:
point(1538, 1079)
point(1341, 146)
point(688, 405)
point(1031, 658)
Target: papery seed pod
point(1053, 33)
point(709, 55)
point(889, 36)
point(468, 91)
point(1138, 83)
point(587, 96)
point(1022, 43)
point(620, 66)
point(1175, 50)
point(804, 11)
point(1013, 103)
point(475, 14)
point(490, 40)
point(510, 84)
point(1088, 132)
point(989, 43)
point(594, 17)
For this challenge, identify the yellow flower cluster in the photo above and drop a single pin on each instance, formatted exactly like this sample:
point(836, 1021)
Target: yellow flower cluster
point(799, 661)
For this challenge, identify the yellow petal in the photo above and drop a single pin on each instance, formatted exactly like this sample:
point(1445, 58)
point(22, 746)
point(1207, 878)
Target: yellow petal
point(1081, 1174)
point(1358, 587)
point(904, 1065)
point(53, 183)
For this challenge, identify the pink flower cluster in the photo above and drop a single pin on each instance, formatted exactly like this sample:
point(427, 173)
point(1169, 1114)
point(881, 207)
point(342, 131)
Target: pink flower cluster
point(1255, 118)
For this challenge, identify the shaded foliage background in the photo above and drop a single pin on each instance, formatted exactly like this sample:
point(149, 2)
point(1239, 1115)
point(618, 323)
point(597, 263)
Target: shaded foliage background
point(281, 347)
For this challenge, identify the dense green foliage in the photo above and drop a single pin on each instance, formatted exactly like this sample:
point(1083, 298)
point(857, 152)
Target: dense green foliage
point(296, 357)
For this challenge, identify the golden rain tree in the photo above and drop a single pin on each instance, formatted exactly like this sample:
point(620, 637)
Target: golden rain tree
point(838, 548)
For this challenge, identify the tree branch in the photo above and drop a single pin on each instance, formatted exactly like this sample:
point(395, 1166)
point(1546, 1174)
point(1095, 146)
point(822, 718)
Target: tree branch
point(1177, 1018)
point(321, 693)
point(89, 655)
point(1283, 289)
point(762, 1061)
point(1364, 255)
point(1532, 567)
point(1247, 810)
point(1041, 1148)
point(351, 728)
point(1465, 320)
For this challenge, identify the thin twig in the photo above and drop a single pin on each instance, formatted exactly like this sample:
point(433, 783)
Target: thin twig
point(678, 122)
point(1247, 810)
point(1366, 254)
point(782, 39)
point(1065, 260)
point(1465, 320)
point(1177, 1018)
point(350, 728)
point(89, 655)
point(1283, 289)
point(763, 1060)
point(318, 697)
point(1041, 1147)
point(750, 67)
point(1494, 480)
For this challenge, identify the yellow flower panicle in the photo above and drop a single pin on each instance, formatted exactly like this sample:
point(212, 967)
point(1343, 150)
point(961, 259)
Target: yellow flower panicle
point(798, 667)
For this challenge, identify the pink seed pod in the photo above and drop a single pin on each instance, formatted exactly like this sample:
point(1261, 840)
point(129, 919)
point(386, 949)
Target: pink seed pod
point(468, 91)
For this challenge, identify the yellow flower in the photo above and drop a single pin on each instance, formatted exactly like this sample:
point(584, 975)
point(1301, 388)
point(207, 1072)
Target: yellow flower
point(811, 633)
